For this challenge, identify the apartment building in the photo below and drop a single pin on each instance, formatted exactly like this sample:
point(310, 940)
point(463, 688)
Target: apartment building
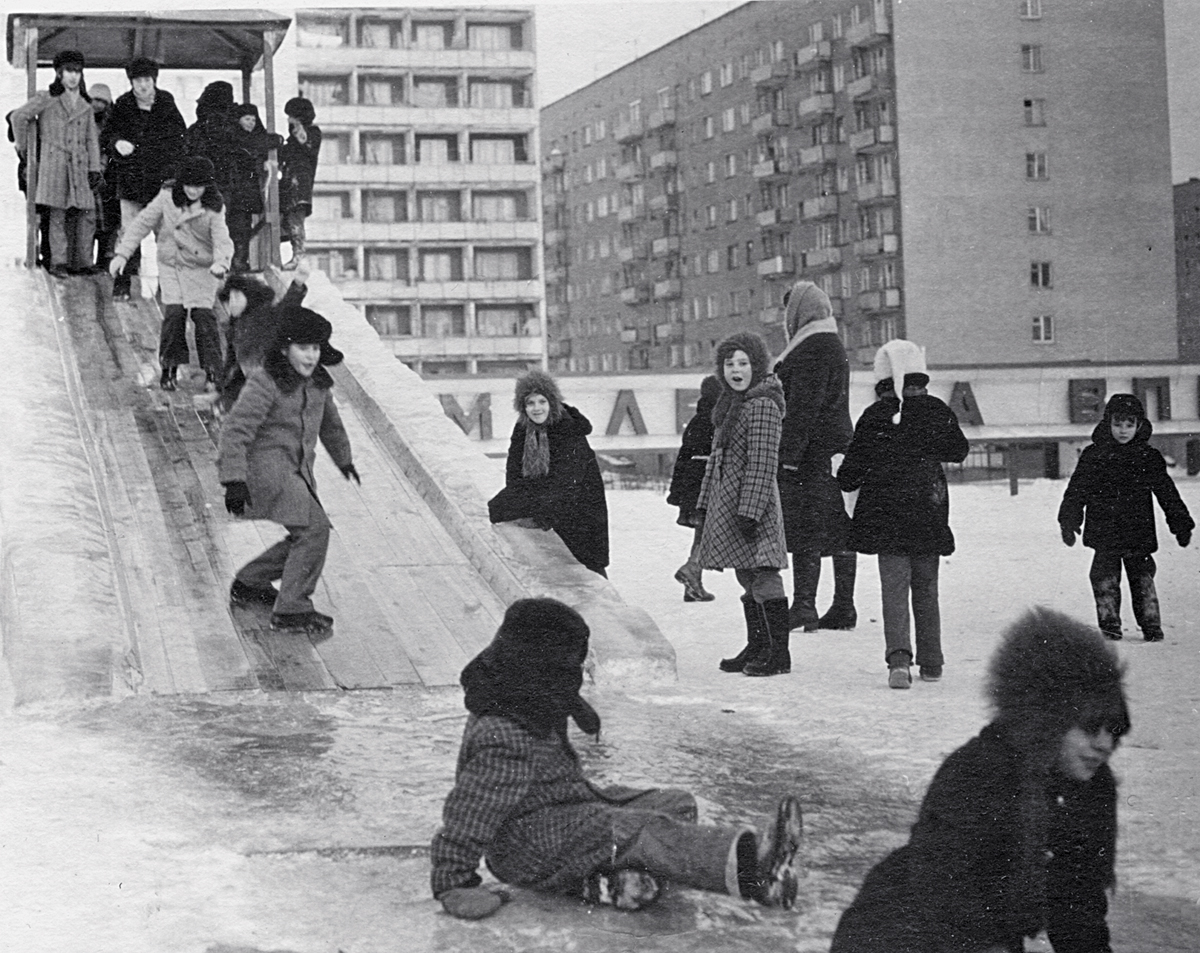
point(1187, 267)
point(991, 180)
point(425, 209)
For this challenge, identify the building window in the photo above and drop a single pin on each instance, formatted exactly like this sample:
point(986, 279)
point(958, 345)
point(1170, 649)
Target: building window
point(710, 127)
point(441, 264)
point(1031, 9)
point(325, 90)
point(439, 206)
point(496, 94)
point(711, 216)
point(390, 320)
point(729, 119)
point(726, 75)
point(382, 149)
point(380, 34)
point(498, 150)
point(335, 149)
point(710, 172)
point(1039, 274)
point(1031, 58)
point(503, 264)
point(322, 34)
point(706, 82)
point(436, 35)
point(1043, 329)
point(731, 165)
point(331, 205)
point(381, 91)
point(1035, 112)
point(506, 320)
point(384, 206)
point(444, 322)
point(436, 150)
point(601, 130)
point(499, 207)
point(1039, 219)
point(1036, 166)
point(714, 261)
point(731, 210)
point(337, 263)
point(733, 256)
point(489, 36)
point(387, 264)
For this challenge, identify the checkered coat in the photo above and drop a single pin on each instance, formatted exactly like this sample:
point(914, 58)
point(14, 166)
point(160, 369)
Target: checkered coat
point(741, 481)
point(522, 803)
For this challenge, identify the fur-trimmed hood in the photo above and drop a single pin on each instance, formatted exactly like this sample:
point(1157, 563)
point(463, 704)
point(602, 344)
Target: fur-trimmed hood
point(538, 382)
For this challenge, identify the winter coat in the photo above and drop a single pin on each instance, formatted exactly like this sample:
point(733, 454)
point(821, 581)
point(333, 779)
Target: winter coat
point(977, 874)
point(252, 334)
point(269, 440)
point(522, 803)
point(250, 151)
point(190, 241)
point(903, 506)
point(298, 170)
point(570, 497)
point(816, 384)
point(157, 135)
point(211, 136)
point(69, 148)
point(691, 462)
point(740, 481)
point(1112, 486)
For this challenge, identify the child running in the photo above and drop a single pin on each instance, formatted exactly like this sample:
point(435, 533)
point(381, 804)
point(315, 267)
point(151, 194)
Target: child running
point(1112, 487)
point(521, 801)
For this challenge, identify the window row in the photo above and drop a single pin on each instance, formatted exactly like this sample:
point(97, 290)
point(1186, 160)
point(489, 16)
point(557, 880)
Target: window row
point(454, 320)
point(400, 148)
point(383, 263)
point(330, 31)
point(422, 92)
point(387, 205)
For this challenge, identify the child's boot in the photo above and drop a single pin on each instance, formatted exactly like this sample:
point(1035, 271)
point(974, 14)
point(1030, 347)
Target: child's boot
point(767, 869)
point(756, 640)
point(806, 573)
point(842, 614)
point(777, 660)
point(898, 673)
point(169, 379)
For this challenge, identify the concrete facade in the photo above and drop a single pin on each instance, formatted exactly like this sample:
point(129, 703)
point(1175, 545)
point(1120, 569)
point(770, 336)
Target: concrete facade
point(884, 151)
point(1187, 267)
point(425, 211)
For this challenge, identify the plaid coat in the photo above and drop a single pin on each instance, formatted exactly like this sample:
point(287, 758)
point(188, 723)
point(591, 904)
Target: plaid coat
point(522, 803)
point(741, 481)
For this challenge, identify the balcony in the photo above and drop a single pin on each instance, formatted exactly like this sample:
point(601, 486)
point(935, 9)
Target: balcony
point(813, 55)
point(629, 335)
point(768, 121)
point(822, 257)
point(634, 252)
point(824, 154)
point(555, 236)
point(870, 31)
point(664, 159)
point(558, 348)
point(824, 206)
point(556, 312)
point(628, 131)
point(630, 213)
point(879, 300)
point(665, 246)
point(878, 190)
point(556, 275)
point(629, 172)
point(865, 139)
point(814, 106)
point(877, 245)
point(667, 202)
point(553, 199)
point(778, 267)
point(636, 294)
point(770, 74)
point(661, 118)
point(770, 168)
point(774, 217)
point(857, 88)
point(555, 162)
point(667, 289)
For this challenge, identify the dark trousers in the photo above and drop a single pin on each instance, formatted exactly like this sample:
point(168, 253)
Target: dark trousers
point(1105, 576)
point(296, 561)
point(241, 230)
point(173, 345)
point(72, 231)
point(900, 577)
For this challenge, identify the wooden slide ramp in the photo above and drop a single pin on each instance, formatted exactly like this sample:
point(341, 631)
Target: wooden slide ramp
point(408, 606)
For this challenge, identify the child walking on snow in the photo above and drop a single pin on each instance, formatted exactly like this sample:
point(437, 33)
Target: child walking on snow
point(1112, 487)
point(521, 801)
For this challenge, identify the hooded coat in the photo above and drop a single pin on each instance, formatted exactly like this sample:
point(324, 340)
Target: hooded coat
point(1110, 493)
point(903, 506)
point(692, 459)
point(269, 439)
point(69, 148)
point(157, 135)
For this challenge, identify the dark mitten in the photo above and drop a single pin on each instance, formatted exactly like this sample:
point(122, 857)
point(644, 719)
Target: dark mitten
point(95, 181)
point(1184, 538)
point(237, 497)
point(350, 473)
point(1068, 534)
point(748, 525)
point(473, 903)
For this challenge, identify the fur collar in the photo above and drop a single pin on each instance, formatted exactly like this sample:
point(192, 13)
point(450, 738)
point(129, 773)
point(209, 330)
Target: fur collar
point(820, 326)
point(286, 378)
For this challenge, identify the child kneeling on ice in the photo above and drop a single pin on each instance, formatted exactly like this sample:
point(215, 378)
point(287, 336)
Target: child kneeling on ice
point(521, 801)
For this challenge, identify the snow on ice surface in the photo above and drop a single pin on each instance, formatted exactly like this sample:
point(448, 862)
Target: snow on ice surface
point(184, 824)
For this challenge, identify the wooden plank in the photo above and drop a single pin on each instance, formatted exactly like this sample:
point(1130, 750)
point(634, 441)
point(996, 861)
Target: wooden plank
point(434, 653)
point(469, 617)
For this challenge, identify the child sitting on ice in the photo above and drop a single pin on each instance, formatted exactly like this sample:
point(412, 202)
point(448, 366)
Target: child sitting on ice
point(521, 801)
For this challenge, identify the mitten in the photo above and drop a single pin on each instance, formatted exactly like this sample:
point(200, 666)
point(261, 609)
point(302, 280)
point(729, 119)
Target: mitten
point(350, 473)
point(473, 903)
point(95, 181)
point(1184, 538)
point(237, 495)
point(1068, 534)
point(748, 525)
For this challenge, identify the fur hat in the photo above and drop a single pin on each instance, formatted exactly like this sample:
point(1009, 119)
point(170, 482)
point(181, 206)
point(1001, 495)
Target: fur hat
point(304, 326)
point(806, 302)
point(245, 109)
point(900, 360)
point(216, 97)
point(1052, 673)
point(68, 59)
point(538, 382)
point(100, 91)
point(142, 66)
point(195, 170)
point(754, 348)
point(1124, 407)
point(300, 108)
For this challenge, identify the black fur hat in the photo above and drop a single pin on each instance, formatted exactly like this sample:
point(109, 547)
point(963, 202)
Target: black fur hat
point(300, 108)
point(538, 382)
point(1124, 407)
point(68, 58)
point(142, 66)
point(216, 97)
point(304, 326)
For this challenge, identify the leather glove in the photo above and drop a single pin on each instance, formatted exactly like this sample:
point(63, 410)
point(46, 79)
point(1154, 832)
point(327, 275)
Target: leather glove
point(237, 495)
point(1184, 538)
point(95, 181)
point(1068, 535)
point(350, 473)
point(748, 525)
point(473, 903)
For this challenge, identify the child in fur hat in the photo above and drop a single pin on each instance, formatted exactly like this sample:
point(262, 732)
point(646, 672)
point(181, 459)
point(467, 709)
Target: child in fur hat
point(903, 509)
point(552, 476)
point(297, 171)
point(265, 462)
point(521, 801)
point(1017, 832)
point(1114, 484)
point(739, 499)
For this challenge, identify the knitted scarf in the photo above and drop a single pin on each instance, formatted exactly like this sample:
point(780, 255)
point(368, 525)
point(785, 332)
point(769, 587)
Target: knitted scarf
point(536, 460)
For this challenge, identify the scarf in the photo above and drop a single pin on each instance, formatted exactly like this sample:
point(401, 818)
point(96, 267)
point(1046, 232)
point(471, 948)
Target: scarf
point(536, 459)
point(730, 403)
point(820, 326)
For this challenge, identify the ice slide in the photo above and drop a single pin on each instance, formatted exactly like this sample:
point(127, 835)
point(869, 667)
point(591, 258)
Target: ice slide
point(116, 552)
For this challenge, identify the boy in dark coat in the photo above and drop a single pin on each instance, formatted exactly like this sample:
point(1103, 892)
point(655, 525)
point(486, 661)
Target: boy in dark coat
point(521, 801)
point(903, 508)
point(251, 144)
point(1113, 485)
point(297, 172)
point(551, 475)
point(1017, 832)
point(686, 479)
point(815, 375)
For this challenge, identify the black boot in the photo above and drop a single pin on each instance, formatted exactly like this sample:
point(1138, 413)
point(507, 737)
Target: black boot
point(778, 661)
point(755, 639)
point(841, 614)
point(806, 573)
point(169, 379)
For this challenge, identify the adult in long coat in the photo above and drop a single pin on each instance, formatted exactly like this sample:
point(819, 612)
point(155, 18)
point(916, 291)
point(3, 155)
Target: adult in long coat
point(1017, 832)
point(815, 375)
point(68, 162)
point(551, 474)
point(743, 522)
point(687, 476)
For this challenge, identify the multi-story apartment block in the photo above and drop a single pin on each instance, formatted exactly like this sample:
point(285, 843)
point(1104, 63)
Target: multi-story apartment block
point(425, 210)
point(1187, 267)
point(991, 180)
